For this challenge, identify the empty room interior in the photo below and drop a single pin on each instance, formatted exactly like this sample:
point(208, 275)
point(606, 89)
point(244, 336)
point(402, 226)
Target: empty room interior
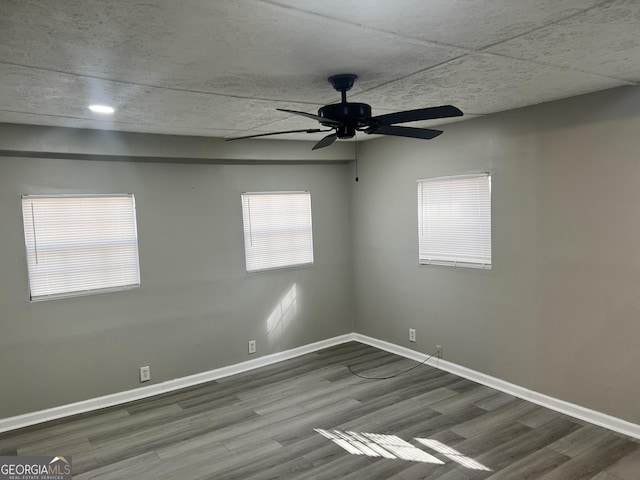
point(278, 239)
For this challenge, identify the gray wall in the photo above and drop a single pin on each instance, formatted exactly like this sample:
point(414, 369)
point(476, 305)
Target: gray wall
point(197, 308)
point(559, 312)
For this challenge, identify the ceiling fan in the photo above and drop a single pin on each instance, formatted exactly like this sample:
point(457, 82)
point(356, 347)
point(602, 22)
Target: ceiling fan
point(347, 118)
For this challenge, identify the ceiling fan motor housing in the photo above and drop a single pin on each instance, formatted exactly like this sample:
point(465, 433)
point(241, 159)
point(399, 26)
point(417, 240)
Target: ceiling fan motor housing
point(351, 115)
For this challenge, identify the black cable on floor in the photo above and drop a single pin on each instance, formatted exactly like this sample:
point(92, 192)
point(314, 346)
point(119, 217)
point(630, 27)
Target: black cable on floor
point(392, 376)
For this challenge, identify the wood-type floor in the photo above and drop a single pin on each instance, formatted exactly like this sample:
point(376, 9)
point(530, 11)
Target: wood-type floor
point(261, 425)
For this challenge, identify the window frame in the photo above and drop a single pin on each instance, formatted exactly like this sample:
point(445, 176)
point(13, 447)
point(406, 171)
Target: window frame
point(89, 291)
point(442, 259)
point(246, 222)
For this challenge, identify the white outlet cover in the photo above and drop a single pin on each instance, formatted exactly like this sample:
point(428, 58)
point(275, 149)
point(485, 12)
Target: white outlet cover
point(145, 374)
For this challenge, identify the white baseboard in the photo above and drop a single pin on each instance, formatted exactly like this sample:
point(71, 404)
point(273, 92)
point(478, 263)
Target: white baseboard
point(33, 418)
point(571, 409)
point(577, 411)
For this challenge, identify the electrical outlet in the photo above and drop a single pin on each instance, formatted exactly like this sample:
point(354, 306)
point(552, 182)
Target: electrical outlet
point(145, 374)
point(439, 351)
point(252, 346)
point(412, 334)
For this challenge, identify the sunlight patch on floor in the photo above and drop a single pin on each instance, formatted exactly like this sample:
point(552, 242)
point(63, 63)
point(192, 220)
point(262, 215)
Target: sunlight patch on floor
point(393, 447)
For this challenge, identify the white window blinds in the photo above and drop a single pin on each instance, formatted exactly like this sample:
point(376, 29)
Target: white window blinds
point(80, 244)
point(277, 230)
point(454, 221)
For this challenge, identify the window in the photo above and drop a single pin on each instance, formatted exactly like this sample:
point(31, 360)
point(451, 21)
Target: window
point(454, 221)
point(277, 230)
point(80, 244)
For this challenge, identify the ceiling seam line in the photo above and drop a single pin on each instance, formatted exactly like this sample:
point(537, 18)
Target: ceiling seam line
point(555, 22)
point(561, 67)
point(430, 67)
point(146, 85)
point(372, 29)
point(532, 62)
point(430, 42)
point(469, 51)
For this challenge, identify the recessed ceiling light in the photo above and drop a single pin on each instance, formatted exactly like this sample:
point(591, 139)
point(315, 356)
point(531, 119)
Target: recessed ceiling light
point(102, 109)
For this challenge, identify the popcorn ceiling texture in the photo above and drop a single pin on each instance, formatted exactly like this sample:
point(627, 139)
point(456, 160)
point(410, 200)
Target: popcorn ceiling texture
point(222, 68)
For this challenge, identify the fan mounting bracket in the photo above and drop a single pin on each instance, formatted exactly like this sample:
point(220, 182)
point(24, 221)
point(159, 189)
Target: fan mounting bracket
point(343, 82)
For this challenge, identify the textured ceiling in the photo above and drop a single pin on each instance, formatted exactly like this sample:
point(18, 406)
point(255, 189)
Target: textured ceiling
point(221, 67)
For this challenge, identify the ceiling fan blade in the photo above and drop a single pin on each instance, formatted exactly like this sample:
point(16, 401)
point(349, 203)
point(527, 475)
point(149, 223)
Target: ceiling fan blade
point(309, 130)
point(326, 121)
point(326, 141)
point(424, 133)
point(430, 113)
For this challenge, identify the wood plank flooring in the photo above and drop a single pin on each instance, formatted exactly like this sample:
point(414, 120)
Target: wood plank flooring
point(261, 425)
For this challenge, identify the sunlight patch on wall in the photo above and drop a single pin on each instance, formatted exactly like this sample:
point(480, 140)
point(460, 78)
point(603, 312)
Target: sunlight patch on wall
point(283, 313)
